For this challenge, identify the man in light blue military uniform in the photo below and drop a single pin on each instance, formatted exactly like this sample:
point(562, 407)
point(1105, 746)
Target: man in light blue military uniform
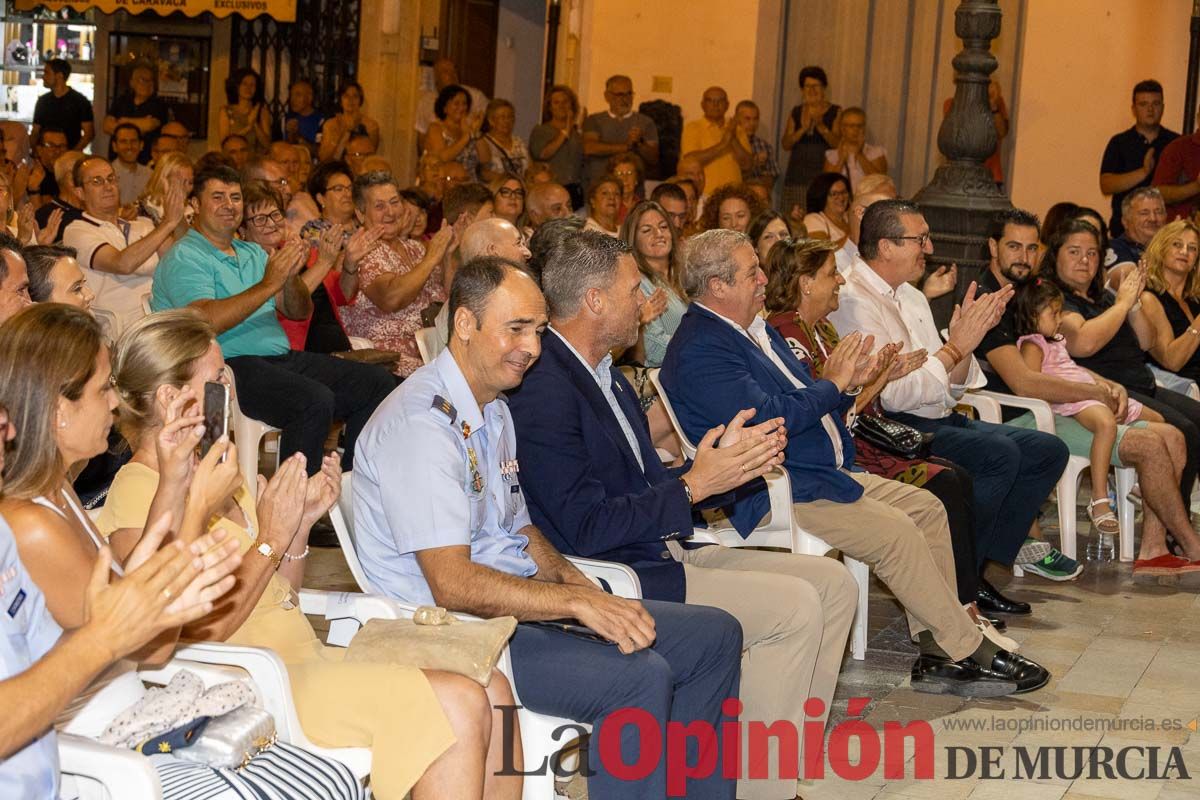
point(440, 518)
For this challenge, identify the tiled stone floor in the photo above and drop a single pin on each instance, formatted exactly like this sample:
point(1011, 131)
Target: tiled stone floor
point(1117, 651)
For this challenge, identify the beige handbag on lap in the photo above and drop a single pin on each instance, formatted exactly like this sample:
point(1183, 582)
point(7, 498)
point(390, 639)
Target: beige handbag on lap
point(435, 639)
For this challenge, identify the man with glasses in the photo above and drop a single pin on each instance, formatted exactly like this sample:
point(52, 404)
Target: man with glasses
point(1014, 469)
point(674, 201)
point(1130, 157)
point(620, 129)
point(49, 144)
point(237, 287)
point(275, 175)
point(358, 150)
point(713, 141)
point(117, 256)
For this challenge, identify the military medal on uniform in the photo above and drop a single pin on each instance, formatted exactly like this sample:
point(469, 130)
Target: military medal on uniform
point(509, 469)
point(476, 478)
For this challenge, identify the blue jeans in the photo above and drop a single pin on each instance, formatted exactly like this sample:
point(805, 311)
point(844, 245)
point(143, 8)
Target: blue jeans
point(1014, 470)
point(692, 667)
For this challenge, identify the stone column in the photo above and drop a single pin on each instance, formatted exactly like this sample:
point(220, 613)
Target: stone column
point(962, 197)
point(388, 48)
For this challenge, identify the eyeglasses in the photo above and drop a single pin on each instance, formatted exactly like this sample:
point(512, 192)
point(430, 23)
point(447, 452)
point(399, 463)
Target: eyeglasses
point(358, 154)
point(99, 181)
point(508, 193)
point(622, 94)
point(261, 220)
point(53, 145)
point(921, 240)
point(625, 173)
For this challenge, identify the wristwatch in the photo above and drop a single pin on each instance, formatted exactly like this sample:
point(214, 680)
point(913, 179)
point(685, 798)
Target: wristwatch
point(266, 551)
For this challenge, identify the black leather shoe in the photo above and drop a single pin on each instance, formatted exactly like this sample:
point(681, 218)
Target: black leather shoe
point(1028, 675)
point(966, 678)
point(1000, 625)
point(990, 601)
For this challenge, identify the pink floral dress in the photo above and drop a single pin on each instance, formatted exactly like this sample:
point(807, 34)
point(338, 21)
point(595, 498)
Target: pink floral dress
point(393, 331)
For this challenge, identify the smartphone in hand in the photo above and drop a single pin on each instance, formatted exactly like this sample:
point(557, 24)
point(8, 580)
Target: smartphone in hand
point(216, 415)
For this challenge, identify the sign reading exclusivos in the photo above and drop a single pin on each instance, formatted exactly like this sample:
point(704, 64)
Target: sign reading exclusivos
point(279, 10)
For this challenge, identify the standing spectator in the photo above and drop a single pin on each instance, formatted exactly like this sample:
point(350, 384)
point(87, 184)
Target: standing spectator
point(812, 128)
point(337, 132)
point(63, 108)
point(50, 143)
point(500, 151)
point(713, 141)
point(853, 157)
point(455, 134)
point(604, 203)
point(118, 257)
point(140, 107)
point(444, 74)
point(132, 177)
point(620, 129)
point(760, 164)
point(246, 113)
point(1130, 156)
point(302, 121)
point(827, 202)
point(558, 141)
point(1177, 176)
point(627, 168)
point(999, 121)
point(398, 277)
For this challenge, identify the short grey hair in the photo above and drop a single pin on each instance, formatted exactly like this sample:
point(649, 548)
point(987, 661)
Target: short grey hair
point(1137, 194)
point(371, 180)
point(709, 255)
point(583, 261)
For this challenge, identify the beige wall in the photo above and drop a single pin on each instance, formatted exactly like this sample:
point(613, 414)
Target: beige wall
point(1078, 65)
point(695, 43)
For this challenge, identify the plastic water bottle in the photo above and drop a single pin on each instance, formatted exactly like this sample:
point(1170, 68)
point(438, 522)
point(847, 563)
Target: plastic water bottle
point(1100, 548)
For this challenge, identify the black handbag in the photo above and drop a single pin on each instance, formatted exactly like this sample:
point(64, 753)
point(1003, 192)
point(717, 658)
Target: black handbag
point(893, 437)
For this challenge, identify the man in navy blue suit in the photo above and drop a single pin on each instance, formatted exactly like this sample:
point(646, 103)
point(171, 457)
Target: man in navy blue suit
point(597, 488)
point(723, 358)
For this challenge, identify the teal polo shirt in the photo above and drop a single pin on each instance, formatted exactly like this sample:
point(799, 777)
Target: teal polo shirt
point(194, 269)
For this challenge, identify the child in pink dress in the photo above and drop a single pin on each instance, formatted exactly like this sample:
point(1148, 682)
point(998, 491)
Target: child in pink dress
point(1038, 313)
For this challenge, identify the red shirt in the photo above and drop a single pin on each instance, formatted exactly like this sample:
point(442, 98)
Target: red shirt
point(1179, 164)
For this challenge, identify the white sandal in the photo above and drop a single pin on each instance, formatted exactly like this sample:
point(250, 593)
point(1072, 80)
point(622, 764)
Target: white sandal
point(1106, 522)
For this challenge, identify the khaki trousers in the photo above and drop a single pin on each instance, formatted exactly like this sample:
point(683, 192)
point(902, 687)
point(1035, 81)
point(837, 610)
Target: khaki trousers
point(795, 613)
point(902, 533)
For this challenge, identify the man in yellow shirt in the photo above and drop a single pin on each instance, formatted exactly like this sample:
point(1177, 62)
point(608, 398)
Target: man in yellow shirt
point(713, 141)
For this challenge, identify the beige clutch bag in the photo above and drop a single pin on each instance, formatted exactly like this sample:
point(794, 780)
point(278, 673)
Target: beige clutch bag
point(435, 639)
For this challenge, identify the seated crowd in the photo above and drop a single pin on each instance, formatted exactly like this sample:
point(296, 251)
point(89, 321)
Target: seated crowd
point(478, 348)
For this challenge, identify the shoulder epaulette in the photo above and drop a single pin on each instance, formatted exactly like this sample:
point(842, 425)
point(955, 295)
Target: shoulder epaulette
point(443, 405)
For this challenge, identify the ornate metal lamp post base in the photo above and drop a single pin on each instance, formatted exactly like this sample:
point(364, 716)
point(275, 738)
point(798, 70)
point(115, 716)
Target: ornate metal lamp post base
point(962, 197)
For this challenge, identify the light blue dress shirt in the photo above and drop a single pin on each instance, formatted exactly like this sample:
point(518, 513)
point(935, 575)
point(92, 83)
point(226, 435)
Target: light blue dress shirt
point(27, 632)
point(416, 489)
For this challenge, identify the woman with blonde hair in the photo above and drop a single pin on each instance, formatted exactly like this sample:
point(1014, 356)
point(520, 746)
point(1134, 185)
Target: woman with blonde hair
point(1171, 301)
point(429, 730)
point(169, 169)
point(55, 382)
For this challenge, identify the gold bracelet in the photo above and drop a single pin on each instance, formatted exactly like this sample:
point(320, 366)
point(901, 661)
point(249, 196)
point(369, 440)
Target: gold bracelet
point(952, 351)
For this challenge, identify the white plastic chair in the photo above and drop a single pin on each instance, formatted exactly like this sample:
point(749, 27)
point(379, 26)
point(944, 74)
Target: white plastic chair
point(537, 730)
point(988, 405)
point(429, 344)
point(248, 434)
point(120, 774)
point(1176, 383)
point(779, 530)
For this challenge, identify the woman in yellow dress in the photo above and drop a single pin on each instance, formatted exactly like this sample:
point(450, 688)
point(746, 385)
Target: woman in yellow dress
point(432, 733)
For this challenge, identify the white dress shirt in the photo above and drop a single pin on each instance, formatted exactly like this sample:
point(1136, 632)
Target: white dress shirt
point(757, 333)
point(845, 257)
point(868, 304)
